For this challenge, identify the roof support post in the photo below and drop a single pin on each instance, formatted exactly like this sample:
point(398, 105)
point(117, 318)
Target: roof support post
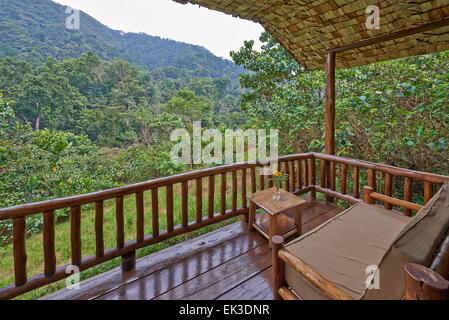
point(330, 104)
point(329, 134)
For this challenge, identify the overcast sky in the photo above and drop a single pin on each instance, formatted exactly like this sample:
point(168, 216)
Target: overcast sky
point(216, 31)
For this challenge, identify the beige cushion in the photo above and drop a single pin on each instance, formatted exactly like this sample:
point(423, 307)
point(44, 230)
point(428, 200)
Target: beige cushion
point(342, 249)
point(416, 243)
point(364, 235)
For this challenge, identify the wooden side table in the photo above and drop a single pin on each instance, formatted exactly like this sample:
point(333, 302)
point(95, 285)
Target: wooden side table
point(276, 220)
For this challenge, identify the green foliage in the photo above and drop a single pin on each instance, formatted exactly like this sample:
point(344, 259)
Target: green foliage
point(394, 112)
point(189, 106)
point(111, 103)
point(83, 125)
point(281, 95)
point(38, 165)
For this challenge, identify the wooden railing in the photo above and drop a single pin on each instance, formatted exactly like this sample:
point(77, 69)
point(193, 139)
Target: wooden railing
point(302, 171)
point(372, 190)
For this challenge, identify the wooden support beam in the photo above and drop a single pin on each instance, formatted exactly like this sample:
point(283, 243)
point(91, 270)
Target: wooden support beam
point(330, 104)
point(392, 36)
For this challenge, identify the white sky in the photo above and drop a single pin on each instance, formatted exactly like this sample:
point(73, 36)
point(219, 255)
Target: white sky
point(213, 30)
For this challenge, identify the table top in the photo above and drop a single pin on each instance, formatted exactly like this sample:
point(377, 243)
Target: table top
point(264, 200)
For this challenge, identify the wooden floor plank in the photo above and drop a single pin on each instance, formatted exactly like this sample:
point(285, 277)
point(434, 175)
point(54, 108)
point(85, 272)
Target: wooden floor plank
point(228, 263)
point(161, 281)
point(320, 220)
point(258, 287)
point(214, 283)
point(105, 282)
point(316, 209)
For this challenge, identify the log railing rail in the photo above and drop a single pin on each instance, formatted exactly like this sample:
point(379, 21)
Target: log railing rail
point(303, 176)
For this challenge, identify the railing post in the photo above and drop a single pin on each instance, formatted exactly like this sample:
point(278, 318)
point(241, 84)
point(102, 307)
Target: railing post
point(244, 217)
point(408, 188)
point(388, 189)
point(422, 283)
point(367, 195)
point(75, 235)
point(343, 175)
point(199, 200)
point(49, 243)
point(278, 266)
point(292, 175)
point(211, 198)
point(299, 174)
point(287, 172)
point(155, 212)
point(19, 247)
point(139, 217)
point(428, 192)
point(355, 181)
point(184, 204)
point(323, 174)
point(223, 193)
point(120, 221)
point(312, 177)
point(129, 261)
point(169, 205)
point(372, 179)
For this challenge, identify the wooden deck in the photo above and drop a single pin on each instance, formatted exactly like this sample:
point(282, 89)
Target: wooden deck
point(226, 264)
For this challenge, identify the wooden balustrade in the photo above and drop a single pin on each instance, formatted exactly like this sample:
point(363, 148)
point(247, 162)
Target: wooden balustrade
point(169, 207)
point(120, 220)
point(388, 189)
point(302, 179)
point(48, 233)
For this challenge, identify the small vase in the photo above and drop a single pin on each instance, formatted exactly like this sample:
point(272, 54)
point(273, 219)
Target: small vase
point(277, 194)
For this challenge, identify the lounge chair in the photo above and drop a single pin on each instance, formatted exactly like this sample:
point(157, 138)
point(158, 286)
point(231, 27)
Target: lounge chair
point(362, 254)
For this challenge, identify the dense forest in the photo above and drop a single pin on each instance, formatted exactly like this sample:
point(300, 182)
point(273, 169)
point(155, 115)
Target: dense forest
point(81, 113)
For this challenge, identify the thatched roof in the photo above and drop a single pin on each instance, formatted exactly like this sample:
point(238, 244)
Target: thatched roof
point(308, 29)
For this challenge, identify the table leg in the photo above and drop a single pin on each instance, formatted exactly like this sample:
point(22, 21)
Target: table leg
point(251, 216)
point(272, 229)
point(298, 220)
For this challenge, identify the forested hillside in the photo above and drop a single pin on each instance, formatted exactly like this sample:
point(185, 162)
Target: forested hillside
point(36, 29)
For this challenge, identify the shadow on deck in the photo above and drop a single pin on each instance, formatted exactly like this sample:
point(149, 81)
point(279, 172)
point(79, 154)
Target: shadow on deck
point(226, 264)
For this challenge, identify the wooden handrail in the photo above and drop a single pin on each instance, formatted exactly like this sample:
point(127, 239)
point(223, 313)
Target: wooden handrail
point(301, 168)
point(109, 254)
point(419, 175)
point(397, 202)
point(79, 200)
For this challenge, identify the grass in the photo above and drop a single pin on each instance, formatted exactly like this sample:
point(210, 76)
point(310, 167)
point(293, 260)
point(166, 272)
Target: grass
point(34, 244)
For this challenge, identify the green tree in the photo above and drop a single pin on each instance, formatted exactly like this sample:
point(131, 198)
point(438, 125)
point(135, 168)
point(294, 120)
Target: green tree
point(189, 106)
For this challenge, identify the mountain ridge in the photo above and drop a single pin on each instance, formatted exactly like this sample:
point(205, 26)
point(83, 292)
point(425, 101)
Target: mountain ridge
point(35, 29)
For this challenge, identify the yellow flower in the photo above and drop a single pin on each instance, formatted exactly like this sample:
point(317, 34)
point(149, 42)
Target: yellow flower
point(54, 168)
point(277, 174)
